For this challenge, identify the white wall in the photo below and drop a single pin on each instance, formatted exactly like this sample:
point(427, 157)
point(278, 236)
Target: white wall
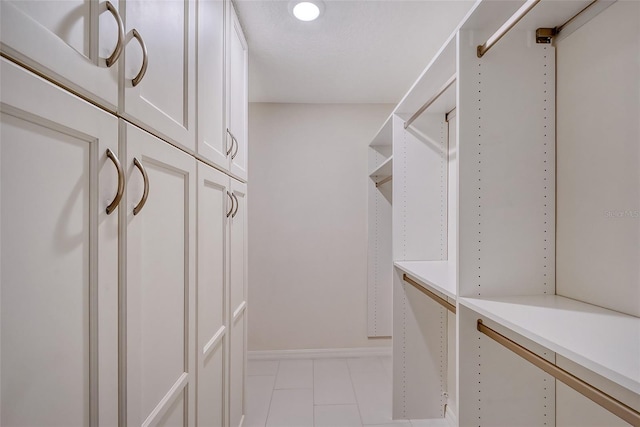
point(307, 225)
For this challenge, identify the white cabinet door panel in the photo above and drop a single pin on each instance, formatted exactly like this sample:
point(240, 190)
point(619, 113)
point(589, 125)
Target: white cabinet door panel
point(164, 100)
point(238, 95)
point(238, 243)
point(67, 40)
point(212, 139)
point(237, 361)
point(58, 256)
point(213, 205)
point(160, 285)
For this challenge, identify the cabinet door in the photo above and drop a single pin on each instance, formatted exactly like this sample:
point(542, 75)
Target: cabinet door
point(163, 102)
point(238, 300)
point(238, 61)
point(160, 282)
point(214, 203)
point(58, 256)
point(212, 137)
point(67, 40)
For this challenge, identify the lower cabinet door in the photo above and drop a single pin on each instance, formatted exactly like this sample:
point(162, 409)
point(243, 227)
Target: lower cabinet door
point(58, 256)
point(214, 203)
point(160, 282)
point(238, 301)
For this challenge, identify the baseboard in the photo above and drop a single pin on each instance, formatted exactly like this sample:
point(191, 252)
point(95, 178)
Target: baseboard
point(451, 417)
point(323, 353)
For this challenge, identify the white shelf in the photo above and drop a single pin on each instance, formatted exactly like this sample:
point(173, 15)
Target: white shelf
point(603, 341)
point(384, 135)
point(384, 170)
point(437, 276)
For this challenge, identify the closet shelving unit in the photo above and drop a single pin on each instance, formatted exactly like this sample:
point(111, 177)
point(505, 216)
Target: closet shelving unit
point(379, 233)
point(474, 222)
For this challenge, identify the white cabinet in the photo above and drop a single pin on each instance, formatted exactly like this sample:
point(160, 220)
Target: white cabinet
point(59, 256)
point(238, 302)
point(213, 143)
point(222, 297)
point(67, 40)
point(160, 281)
point(237, 88)
point(163, 100)
point(110, 300)
point(214, 207)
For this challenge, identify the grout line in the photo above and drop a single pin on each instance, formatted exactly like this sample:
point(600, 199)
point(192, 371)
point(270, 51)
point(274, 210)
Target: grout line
point(272, 391)
point(355, 395)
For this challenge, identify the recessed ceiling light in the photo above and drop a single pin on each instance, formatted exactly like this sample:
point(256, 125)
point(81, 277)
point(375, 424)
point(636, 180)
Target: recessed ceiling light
point(306, 11)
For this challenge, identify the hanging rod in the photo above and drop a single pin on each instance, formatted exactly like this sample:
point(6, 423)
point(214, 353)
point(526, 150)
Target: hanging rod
point(384, 181)
point(433, 99)
point(608, 402)
point(437, 298)
point(508, 25)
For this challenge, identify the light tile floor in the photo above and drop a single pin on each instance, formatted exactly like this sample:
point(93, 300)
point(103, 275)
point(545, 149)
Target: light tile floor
point(323, 393)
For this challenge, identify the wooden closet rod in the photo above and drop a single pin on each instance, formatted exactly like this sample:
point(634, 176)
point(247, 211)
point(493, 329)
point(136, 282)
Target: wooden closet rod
point(611, 404)
point(508, 25)
point(433, 99)
point(437, 298)
point(383, 181)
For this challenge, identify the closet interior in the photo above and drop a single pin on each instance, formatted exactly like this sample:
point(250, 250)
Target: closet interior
point(513, 243)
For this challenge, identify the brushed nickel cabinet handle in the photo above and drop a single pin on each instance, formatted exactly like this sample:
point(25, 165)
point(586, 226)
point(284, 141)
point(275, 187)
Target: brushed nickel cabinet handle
point(116, 200)
point(233, 215)
point(233, 138)
point(145, 194)
point(235, 153)
point(230, 198)
point(145, 58)
point(120, 44)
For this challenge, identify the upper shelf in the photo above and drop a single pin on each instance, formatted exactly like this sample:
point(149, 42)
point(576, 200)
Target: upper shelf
point(603, 341)
point(384, 170)
point(384, 135)
point(436, 276)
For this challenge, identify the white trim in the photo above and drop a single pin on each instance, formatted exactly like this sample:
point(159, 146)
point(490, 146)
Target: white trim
point(239, 311)
point(213, 342)
point(451, 417)
point(323, 353)
point(161, 409)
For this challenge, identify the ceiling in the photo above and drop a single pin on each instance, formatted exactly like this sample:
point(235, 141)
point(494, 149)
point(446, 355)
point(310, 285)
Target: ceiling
point(357, 51)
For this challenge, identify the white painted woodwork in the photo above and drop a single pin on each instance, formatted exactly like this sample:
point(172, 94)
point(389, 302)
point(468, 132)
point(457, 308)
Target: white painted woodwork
point(237, 370)
point(213, 205)
point(238, 93)
point(213, 142)
point(419, 189)
point(164, 101)
point(507, 167)
point(238, 304)
point(496, 386)
point(438, 276)
point(160, 283)
point(561, 324)
point(384, 135)
point(66, 40)
point(598, 240)
point(452, 196)
point(58, 256)
point(419, 353)
point(379, 258)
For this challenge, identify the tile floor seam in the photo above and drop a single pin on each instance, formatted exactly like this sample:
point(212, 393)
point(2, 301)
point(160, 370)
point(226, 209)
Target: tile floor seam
point(355, 395)
point(266, 420)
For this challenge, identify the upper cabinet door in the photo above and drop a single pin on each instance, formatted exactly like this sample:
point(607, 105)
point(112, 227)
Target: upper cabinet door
point(68, 41)
point(238, 95)
point(58, 256)
point(159, 68)
point(213, 143)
